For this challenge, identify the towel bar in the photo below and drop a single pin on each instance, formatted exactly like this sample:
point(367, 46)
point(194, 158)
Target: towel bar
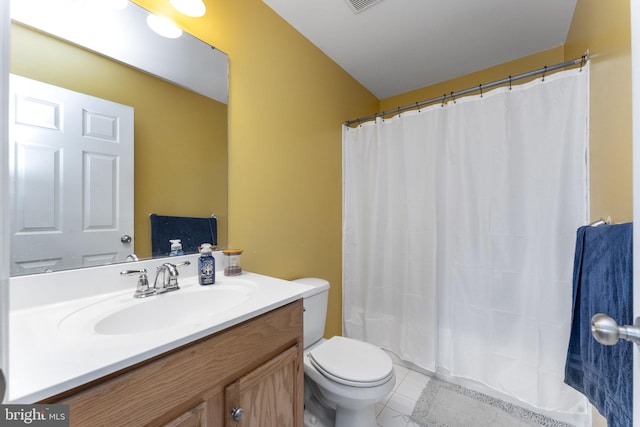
point(606, 330)
point(601, 221)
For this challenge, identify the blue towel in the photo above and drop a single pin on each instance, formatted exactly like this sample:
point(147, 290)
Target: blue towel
point(602, 283)
point(191, 231)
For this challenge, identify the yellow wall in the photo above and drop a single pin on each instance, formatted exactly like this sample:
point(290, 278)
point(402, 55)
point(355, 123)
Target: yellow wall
point(518, 66)
point(287, 101)
point(604, 28)
point(176, 144)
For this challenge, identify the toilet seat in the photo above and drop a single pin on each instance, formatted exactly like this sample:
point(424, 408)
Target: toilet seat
point(352, 362)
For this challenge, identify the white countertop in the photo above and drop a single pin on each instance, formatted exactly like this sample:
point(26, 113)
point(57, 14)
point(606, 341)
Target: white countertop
point(45, 361)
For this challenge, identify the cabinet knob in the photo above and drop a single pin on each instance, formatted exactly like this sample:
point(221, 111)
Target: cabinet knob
point(237, 413)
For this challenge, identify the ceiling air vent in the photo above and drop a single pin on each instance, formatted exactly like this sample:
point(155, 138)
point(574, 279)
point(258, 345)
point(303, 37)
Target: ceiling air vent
point(359, 5)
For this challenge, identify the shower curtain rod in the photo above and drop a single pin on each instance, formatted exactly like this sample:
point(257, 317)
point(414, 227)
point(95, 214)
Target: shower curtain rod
point(480, 88)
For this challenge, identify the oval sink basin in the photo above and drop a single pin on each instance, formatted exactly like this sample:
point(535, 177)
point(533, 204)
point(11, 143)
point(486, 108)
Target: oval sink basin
point(124, 314)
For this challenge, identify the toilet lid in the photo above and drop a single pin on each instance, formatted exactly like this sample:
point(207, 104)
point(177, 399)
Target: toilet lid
point(352, 362)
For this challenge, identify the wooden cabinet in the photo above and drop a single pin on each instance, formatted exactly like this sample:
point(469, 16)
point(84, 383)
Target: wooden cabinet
point(266, 396)
point(256, 366)
point(194, 417)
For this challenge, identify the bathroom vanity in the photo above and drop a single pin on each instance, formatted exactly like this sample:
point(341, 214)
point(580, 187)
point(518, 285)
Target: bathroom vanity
point(252, 371)
point(239, 366)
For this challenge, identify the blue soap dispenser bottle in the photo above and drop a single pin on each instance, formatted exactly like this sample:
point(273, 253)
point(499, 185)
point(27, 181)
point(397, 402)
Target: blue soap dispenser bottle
point(206, 266)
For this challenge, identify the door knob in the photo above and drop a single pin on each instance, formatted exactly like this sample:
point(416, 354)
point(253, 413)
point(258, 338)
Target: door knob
point(125, 239)
point(237, 413)
point(606, 331)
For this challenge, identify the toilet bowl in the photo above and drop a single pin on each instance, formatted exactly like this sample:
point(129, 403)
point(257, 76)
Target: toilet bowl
point(344, 377)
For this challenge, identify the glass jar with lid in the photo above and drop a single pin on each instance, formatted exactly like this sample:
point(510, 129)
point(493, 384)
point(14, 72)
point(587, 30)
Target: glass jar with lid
point(232, 266)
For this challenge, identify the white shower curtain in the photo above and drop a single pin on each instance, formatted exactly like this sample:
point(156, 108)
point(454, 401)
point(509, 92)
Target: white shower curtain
point(459, 226)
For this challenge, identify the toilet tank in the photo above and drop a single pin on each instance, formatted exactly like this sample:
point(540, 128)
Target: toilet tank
point(315, 308)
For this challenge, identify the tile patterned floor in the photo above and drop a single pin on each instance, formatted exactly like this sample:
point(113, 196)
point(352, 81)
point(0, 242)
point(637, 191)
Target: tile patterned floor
point(394, 410)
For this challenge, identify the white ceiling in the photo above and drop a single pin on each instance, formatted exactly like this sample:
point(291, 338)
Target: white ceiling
point(395, 46)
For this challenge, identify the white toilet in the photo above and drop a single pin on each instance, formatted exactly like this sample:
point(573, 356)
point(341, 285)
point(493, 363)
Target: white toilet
point(343, 377)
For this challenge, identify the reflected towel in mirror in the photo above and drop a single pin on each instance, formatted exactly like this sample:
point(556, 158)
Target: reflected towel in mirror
point(191, 231)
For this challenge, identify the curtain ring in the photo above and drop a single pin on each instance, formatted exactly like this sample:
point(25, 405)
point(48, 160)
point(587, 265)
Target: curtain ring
point(480, 86)
point(544, 72)
point(444, 97)
point(453, 97)
point(583, 61)
point(418, 107)
point(509, 82)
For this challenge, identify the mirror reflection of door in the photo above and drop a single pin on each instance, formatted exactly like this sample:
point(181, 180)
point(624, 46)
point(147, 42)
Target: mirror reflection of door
point(71, 178)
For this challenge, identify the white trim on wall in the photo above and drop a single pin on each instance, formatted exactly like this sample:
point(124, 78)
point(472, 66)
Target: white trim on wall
point(5, 25)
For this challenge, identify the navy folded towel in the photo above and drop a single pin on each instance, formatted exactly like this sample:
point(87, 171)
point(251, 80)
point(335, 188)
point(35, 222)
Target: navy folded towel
point(191, 231)
point(602, 283)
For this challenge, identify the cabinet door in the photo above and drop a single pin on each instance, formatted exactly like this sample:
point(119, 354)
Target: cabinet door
point(270, 395)
point(195, 417)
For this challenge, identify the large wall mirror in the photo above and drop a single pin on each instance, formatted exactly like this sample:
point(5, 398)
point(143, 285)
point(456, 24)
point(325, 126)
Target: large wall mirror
point(179, 134)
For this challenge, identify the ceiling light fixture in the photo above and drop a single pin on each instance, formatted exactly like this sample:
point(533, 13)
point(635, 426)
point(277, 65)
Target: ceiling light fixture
point(163, 26)
point(195, 8)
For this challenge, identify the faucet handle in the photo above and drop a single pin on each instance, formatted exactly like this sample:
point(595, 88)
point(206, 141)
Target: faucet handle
point(174, 271)
point(170, 283)
point(173, 277)
point(142, 289)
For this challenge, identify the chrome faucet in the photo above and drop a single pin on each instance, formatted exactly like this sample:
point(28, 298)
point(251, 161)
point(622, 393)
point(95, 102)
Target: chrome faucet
point(142, 289)
point(169, 280)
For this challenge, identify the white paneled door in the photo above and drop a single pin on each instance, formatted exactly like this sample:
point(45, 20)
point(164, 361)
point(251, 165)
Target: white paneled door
point(71, 178)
